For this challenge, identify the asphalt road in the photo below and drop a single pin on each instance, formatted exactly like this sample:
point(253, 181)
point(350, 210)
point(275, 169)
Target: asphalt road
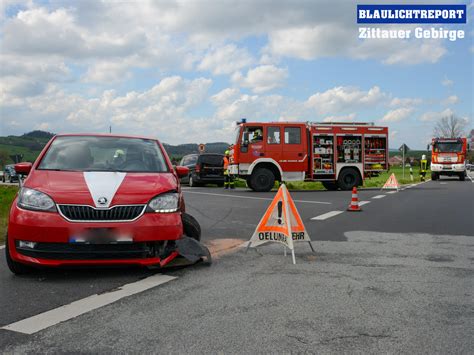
point(394, 278)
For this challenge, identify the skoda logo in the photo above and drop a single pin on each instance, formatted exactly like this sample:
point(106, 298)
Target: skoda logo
point(102, 200)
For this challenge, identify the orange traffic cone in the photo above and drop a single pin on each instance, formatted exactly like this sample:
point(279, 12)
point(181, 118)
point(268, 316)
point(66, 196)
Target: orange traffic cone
point(354, 206)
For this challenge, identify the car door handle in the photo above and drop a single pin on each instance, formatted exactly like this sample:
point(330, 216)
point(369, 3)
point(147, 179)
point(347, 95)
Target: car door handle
point(262, 154)
point(300, 154)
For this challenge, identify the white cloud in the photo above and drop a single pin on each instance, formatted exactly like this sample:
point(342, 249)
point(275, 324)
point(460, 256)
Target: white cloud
point(447, 82)
point(398, 114)
point(343, 118)
point(154, 112)
point(225, 96)
point(450, 100)
point(262, 78)
point(344, 98)
point(333, 37)
point(434, 116)
point(405, 102)
point(226, 60)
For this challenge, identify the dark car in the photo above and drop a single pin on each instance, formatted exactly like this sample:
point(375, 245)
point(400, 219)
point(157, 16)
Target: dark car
point(204, 169)
point(9, 174)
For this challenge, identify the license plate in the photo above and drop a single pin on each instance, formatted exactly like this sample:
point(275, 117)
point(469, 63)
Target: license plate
point(447, 167)
point(101, 236)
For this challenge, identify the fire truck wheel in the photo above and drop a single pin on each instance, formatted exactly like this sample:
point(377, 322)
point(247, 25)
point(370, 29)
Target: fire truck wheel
point(434, 176)
point(262, 180)
point(462, 177)
point(348, 178)
point(331, 186)
point(191, 227)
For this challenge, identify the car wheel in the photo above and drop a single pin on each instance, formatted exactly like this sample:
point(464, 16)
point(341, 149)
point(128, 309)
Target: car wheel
point(191, 181)
point(462, 177)
point(348, 178)
point(434, 176)
point(15, 267)
point(329, 185)
point(191, 227)
point(262, 180)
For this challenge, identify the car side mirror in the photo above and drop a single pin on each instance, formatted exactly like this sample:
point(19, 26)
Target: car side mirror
point(23, 168)
point(182, 171)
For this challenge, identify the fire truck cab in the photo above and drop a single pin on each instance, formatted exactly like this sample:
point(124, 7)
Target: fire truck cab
point(340, 155)
point(448, 157)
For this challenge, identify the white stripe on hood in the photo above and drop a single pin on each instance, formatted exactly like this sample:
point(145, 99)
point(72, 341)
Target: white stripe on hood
point(103, 184)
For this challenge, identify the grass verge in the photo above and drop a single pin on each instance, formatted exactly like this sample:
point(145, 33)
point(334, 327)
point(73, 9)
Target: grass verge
point(7, 195)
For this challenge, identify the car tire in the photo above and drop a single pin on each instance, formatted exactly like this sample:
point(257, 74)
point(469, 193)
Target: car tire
point(462, 177)
point(348, 178)
point(191, 227)
point(262, 180)
point(15, 267)
point(434, 176)
point(191, 181)
point(329, 185)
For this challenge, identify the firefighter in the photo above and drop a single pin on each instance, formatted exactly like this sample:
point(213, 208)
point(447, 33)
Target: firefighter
point(257, 135)
point(423, 165)
point(228, 178)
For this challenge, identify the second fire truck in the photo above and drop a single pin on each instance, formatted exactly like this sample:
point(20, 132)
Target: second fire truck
point(340, 155)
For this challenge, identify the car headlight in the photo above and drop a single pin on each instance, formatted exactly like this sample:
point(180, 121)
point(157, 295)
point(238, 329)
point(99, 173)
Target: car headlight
point(165, 203)
point(30, 199)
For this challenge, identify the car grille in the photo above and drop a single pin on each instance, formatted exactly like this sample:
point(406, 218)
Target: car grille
point(82, 213)
point(71, 251)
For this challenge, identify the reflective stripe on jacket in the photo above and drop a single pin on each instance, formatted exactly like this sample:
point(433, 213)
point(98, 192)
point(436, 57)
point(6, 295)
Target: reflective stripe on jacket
point(424, 163)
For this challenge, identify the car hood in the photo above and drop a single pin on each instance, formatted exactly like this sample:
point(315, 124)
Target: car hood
point(101, 189)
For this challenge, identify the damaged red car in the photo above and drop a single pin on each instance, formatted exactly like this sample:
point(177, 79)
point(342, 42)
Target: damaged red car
point(100, 200)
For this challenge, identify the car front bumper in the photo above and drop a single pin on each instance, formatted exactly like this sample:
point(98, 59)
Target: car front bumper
point(56, 239)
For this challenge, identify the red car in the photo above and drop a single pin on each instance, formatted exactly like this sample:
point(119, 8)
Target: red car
point(98, 200)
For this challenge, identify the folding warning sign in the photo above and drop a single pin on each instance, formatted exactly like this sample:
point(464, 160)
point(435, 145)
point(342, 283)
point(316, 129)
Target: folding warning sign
point(391, 183)
point(281, 223)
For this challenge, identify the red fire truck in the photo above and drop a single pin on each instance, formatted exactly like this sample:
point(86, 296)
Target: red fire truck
point(448, 157)
point(340, 155)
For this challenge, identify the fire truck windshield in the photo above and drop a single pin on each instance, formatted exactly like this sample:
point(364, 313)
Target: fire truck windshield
point(447, 147)
point(237, 134)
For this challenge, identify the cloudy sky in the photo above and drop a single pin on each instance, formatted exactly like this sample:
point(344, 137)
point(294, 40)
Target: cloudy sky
point(184, 71)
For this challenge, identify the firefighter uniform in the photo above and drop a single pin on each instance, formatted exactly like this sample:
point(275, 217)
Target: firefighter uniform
point(423, 167)
point(228, 178)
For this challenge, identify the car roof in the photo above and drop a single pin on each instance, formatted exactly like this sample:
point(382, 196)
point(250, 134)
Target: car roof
point(104, 135)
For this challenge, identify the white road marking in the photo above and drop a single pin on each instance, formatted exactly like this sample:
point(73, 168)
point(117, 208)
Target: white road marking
point(326, 215)
point(392, 192)
point(362, 203)
point(379, 196)
point(443, 183)
point(47, 319)
point(253, 198)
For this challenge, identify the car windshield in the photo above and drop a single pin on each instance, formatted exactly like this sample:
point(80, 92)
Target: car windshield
point(95, 153)
point(447, 147)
